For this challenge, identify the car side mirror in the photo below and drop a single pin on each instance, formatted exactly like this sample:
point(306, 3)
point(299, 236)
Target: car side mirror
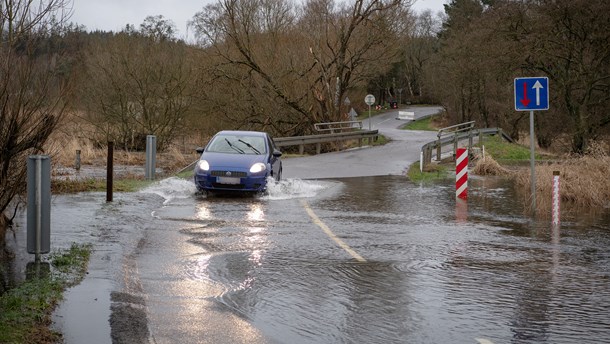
point(199, 150)
point(277, 153)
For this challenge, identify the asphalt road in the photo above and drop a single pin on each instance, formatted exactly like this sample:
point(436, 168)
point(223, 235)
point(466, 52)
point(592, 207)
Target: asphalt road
point(393, 158)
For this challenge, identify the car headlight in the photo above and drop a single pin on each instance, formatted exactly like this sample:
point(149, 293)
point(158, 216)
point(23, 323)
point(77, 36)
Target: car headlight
point(203, 165)
point(258, 167)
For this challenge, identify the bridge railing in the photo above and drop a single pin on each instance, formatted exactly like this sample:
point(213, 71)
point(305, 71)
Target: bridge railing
point(301, 141)
point(338, 126)
point(453, 135)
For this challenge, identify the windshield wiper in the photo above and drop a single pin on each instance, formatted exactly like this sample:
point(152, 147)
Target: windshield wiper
point(250, 146)
point(237, 149)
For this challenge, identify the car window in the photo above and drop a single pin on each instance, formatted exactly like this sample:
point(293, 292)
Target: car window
point(238, 144)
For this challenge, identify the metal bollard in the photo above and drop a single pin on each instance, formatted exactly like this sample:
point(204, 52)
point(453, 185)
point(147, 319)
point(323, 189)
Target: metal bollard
point(39, 205)
point(151, 153)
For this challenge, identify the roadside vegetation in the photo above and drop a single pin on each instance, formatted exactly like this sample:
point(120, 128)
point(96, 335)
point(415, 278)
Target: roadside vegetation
point(509, 153)
point(430, 173)
point(429, 124)
point(125, 184)
point(25, 311)
point(584, 181)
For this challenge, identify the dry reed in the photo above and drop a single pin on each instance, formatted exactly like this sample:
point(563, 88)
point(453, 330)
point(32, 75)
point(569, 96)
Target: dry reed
point(487, 166)
point(63, 154)
point(584, 182)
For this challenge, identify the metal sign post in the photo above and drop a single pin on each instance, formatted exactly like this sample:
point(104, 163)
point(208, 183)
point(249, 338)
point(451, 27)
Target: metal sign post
point(369, 100)
point(532, 94)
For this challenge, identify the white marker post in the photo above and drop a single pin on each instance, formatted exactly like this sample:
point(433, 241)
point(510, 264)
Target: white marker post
point(556, 199)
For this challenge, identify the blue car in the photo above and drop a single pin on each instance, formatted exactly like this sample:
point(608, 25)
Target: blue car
point(238, 161)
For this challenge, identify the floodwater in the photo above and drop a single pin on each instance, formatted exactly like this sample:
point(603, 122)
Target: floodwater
point(352, 260)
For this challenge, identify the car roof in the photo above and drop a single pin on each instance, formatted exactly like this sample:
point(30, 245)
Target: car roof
point(242, 132)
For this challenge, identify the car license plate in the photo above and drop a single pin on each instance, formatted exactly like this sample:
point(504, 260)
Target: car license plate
point(228, 180)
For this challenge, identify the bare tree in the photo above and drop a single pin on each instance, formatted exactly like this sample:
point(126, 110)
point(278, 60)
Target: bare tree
point(418, 48)
point(298, 63)
point(137, 86)
point(32, 89)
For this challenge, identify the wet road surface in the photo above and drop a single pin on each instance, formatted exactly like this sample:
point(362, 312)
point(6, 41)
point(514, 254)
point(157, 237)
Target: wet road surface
point(351, 260)
point(411, 268)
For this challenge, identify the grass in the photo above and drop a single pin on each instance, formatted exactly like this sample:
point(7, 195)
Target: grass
point(60, 186)
point(430, 172)
point(421, 124)
point(380, 141)
point(502, 150)
point(25, 311)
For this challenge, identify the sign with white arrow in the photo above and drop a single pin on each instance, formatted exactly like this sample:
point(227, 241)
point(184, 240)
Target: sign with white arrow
point(531, 94)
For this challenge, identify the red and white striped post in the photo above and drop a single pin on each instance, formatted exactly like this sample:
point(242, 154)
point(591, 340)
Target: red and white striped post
point(461, 173)
point(556, 198)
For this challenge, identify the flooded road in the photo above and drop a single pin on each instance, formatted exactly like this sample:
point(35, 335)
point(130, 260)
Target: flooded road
point(423, 271)
point(354, 260)
point(346, 260)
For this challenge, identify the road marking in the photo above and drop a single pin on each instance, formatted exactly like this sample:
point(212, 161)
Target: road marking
point(328, 232)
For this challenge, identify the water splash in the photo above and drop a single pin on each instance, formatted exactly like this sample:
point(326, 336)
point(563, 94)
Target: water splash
point(293, 188)
point(172, 188)
point(177, 188)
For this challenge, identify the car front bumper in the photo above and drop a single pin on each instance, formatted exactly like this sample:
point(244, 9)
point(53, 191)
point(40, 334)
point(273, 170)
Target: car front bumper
point(209, 182)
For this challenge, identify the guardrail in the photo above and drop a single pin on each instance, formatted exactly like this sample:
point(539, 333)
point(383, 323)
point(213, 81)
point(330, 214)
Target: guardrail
point(338, 126)
point(454, 138)
point(454, 131)
point(301, 141)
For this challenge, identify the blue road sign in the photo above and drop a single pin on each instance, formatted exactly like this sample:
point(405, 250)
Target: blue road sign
point(531, 94)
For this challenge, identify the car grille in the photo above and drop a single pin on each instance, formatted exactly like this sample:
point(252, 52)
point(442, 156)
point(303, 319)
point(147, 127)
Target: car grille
point(238, 174)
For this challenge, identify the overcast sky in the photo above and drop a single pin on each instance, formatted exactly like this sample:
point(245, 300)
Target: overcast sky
point(113, 15)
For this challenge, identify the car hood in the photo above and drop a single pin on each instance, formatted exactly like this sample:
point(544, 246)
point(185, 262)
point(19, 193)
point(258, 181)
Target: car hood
point(223, 160)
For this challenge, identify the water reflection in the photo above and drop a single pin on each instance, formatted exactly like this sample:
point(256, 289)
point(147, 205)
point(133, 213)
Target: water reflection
point(340, 303)
point(256, 212)
point(202, 211)
point(234, 246)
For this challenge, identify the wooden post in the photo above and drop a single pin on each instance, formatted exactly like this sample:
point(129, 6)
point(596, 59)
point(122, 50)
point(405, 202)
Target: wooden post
point(109, 172)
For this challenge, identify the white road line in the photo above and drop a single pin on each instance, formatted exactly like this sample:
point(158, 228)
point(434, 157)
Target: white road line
point(484, 341)
point(332, 235)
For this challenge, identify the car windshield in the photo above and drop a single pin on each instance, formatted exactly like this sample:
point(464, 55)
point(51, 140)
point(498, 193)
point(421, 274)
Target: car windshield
point(237, 144)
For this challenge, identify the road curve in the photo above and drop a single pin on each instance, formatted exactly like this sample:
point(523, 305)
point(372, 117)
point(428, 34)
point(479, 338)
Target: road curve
point(393, 158)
